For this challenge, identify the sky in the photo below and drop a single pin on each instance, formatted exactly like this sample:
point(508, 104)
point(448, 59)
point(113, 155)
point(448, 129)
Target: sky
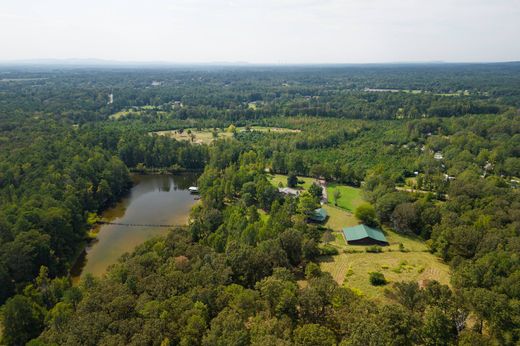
point(261, 31)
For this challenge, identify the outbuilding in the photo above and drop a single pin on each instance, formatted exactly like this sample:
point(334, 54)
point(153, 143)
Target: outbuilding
point(364, 235)
point(319, 215)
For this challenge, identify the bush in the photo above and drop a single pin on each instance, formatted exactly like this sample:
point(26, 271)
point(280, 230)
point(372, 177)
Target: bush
point(367, 214)
point(374, 249)
point(377, 279)
point(312, 270)
point(328, 250)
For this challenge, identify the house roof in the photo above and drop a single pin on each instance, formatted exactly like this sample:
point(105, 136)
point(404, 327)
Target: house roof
point(363, 231)
point(319, 214)
point(289, 191)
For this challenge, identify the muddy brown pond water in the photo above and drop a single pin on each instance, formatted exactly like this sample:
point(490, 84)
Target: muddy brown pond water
point(153, 200)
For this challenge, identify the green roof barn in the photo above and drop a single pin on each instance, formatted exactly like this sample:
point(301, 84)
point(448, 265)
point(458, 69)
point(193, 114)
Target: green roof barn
point(319, 215)
point(364, 235)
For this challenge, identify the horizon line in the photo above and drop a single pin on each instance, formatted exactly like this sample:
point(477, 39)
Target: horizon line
point(87, 62)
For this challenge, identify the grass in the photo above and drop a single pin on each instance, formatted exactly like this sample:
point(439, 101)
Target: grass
point(276, 179)
point(200, 136)
point(352, 269)
point(350, 196)
point(339, 218)
point(205, 136)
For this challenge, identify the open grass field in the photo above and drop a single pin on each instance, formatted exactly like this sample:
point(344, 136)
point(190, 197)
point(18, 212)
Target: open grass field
point(352, 269)
point(123, 113)
point(276, 179)
point(339, 218)
point(205, 136)
point(350, 196)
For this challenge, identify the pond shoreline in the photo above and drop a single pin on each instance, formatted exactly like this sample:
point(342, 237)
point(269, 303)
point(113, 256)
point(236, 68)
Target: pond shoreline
point(152, 199)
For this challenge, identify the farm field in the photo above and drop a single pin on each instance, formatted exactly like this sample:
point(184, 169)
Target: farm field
point(137, 112)
point(205, 136)
point(352, 269)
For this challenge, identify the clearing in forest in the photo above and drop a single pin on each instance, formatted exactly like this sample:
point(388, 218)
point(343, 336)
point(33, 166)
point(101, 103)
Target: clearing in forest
point(206, 136)
point(350, 197)
point(353, 265)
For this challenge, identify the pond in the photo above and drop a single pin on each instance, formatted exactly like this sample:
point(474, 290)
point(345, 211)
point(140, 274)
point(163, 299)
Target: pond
point(153, 200)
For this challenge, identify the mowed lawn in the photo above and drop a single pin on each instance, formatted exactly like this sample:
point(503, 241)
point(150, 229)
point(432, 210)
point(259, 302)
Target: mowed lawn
point(281, 180)
point(350, 197)
point(339, 218)
point(352, 269)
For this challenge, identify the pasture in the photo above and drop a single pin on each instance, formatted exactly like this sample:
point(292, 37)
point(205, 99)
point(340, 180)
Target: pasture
point(353, 265)
point(205, 136)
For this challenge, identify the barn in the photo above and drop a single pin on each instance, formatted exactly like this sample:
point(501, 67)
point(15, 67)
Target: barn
point(364, 235)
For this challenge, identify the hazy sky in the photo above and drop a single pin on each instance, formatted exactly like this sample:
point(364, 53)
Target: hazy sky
point(261, 31)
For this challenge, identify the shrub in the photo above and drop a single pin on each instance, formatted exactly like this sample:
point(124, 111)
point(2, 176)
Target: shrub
point(377, 279)
point(367, 214)
point(374, 249)
point(328, 250)
point(312, 270)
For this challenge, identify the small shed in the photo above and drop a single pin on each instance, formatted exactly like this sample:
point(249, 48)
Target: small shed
point(319, 215)
point(364, 235)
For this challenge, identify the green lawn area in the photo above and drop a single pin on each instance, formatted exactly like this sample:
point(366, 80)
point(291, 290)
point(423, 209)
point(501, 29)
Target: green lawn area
point(350, 196)
point(276, 179)
point(352, 269)
point(339, 218)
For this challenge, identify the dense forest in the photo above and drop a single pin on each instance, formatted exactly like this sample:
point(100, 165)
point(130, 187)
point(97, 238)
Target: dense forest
point(245, 270)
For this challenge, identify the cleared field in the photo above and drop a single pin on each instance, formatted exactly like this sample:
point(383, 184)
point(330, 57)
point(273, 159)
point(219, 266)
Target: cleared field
point(352, 269)
point(205, 136)
point(123, 113)
point(350, 196)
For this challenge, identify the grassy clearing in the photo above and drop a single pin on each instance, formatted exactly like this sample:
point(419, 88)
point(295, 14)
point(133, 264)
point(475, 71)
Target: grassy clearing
point(350, 196)
point(205, 136)
point(352, 268)
point(276, 179)
point(339, 218)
